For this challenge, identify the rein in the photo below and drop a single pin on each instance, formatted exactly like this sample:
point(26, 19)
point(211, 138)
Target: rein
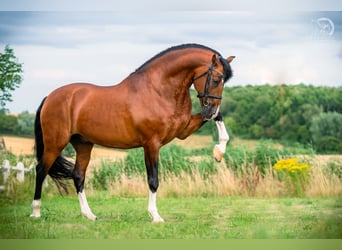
point(206, 94)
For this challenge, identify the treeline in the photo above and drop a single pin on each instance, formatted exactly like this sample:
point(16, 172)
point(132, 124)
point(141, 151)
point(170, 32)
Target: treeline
point(294, 113)
point(21, 124)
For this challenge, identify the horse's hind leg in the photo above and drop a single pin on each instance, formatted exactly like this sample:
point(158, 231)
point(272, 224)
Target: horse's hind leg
point(36, 203)
point(42, 170)
point(83, 151)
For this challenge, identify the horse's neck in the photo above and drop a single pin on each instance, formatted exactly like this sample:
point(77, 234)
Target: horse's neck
point(177, 68)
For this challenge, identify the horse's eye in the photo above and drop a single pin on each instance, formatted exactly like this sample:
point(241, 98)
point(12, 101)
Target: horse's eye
point(216, 80)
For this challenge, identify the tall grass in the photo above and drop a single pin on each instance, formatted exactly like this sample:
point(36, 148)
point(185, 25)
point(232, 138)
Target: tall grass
point(243, 172)
point(185, 172)
point(185, 177)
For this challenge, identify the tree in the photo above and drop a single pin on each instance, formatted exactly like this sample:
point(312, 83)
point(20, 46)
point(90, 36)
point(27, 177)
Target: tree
point(326, 131)
point(10, 75)
point(8, 124)
point(25, 124)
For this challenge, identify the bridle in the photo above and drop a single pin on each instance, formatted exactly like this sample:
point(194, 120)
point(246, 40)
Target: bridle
point(206, 94)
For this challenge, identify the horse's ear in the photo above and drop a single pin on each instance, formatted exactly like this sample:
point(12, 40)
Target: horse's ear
point(214, 60)
point(230, 59)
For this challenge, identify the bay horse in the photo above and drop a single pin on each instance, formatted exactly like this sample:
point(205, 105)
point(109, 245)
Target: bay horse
point(148, 109)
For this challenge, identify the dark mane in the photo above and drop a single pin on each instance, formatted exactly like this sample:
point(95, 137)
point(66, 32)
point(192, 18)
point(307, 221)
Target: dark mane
point(178, 47)
point(228, 73)
point(227, 69)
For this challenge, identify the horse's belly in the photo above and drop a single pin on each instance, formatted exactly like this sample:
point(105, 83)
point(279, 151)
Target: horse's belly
point(114, 141)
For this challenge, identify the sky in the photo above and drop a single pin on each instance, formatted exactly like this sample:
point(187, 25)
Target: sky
point(102, 45)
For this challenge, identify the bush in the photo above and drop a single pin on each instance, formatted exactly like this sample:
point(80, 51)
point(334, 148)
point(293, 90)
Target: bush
point(107, 173)
point(173, 159)
point(326, 131)
point(328, 144)
point(265, 155)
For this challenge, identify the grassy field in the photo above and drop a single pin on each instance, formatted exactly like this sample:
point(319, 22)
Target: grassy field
point(186, 218)
point(222, 205)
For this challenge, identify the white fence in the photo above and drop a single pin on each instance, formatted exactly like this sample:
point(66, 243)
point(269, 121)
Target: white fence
point(20, 170)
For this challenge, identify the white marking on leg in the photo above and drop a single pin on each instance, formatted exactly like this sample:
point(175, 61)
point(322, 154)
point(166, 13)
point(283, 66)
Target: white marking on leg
point(36, 204)
point(220, 148)
point(223, 136)
point(152, 208)
point(85, 209)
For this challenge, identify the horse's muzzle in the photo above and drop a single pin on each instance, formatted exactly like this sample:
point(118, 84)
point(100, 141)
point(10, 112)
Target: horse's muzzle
point(210, 112)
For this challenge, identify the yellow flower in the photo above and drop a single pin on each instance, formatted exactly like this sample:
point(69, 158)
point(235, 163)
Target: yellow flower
point(291, 164)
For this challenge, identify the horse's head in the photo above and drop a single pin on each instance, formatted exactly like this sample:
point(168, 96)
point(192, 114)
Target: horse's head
point(210, 88)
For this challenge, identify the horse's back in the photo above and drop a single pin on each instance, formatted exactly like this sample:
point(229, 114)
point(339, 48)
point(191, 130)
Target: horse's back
point(62, 101)
point(99, 114)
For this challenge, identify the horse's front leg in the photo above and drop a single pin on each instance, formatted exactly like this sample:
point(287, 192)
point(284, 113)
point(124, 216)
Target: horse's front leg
point(220, 148)
point(195, 123)
point(151, 161)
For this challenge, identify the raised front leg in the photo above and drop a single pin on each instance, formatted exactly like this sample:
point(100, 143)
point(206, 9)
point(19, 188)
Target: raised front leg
point(195, 123)
point(220, 148)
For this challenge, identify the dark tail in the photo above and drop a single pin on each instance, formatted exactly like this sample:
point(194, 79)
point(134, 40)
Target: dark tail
point(61, 168)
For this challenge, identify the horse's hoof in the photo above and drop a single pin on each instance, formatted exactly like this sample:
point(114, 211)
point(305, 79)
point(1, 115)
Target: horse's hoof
point(34, 216)
point(90, 216)
point(218, 155)
point(158, 221)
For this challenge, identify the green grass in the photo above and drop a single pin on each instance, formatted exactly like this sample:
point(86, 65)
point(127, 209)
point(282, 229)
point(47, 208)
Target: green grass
point(186, 218)
point(195, 205)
